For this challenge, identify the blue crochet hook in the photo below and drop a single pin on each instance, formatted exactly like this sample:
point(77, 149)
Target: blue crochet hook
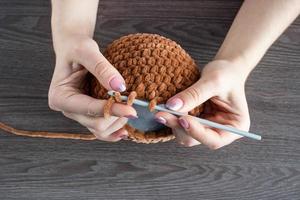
point(206, 122)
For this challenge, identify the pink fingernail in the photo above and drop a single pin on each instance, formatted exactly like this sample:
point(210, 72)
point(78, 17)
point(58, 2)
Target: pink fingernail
point(161, 120)
point(174, 104)
point(184, 123)
point(131, 116)
point(117, 84)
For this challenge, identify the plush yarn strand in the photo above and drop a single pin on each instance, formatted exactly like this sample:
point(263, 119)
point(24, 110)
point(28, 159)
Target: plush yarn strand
point(45, 134)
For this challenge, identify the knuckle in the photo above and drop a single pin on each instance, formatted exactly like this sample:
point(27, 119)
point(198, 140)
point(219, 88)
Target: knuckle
point(101, 69)
point(91, 111)
point(193, 93)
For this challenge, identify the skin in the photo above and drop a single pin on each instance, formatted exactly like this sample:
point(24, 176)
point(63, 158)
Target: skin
point(258, 24)
point(73, 23)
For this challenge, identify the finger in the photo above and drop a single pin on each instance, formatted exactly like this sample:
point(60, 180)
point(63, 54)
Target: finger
point(88, 54)
point(183, 139)
point(68, 100)
point(193, 96)
point(114, 137)
point(239, 121)
point(205, 135)
point(167, 119)
point(66, 73)
point(97, 123)
point(172, 122)
point(120, 134)
point(116, 125)
point(102, 127)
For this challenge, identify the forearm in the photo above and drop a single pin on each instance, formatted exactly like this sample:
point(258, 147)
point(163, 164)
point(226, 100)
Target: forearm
point(257, 25)
point(73, 17)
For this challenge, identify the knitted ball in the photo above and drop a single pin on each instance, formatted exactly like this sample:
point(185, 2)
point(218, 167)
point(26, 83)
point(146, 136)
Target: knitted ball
point(154, 67)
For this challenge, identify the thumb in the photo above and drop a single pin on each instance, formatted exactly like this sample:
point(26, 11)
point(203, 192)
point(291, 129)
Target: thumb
point(89, 55)
point(193, 96)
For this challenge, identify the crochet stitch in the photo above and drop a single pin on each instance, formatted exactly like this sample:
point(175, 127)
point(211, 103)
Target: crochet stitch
point(155, 68)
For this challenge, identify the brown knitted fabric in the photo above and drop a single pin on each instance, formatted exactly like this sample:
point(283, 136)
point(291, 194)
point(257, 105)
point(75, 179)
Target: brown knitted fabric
point(156, 68)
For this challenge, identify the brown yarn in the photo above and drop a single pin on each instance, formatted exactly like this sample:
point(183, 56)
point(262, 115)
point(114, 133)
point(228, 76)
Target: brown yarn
point(107, 107)
point(44, 134)
point(131, 98)
point(154, 68)
point(118, 97)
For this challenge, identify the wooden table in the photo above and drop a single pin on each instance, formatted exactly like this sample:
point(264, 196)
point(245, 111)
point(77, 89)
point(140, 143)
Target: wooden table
point(65, 169)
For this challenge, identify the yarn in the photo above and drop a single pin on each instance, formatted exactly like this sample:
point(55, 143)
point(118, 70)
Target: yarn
point(155, 68)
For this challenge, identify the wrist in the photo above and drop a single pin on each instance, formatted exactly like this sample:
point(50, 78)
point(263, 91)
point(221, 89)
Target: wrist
point(240, 64)
point(65, 28)
point(67, 40)
point(225, 73)
point(73, 17)
point(62, 31)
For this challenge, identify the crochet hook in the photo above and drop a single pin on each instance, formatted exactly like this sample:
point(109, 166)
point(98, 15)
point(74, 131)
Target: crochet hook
point(200, 120)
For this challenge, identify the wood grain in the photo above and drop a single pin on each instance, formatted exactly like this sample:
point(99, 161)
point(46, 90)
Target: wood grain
point(63, 169)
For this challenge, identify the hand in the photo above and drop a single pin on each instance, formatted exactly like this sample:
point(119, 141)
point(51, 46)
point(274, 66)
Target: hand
point(222, 83)
point(75, 56)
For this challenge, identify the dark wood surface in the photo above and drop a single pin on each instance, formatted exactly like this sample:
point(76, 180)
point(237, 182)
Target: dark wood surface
point(65, 169)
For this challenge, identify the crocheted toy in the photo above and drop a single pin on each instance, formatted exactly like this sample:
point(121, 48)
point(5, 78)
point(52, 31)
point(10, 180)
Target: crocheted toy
point(154, 68)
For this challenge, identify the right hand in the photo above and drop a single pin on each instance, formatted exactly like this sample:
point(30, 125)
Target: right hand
point(223, 82)
point(75, 56)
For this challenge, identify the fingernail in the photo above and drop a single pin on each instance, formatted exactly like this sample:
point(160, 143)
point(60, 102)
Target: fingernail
point(131, 116)
point(161, 120)
point(124, 137)
point(184, 123)
point(174, 104)
point(117, 84)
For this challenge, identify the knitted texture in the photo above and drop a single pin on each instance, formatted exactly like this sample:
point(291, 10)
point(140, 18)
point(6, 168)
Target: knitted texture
point(156, 68)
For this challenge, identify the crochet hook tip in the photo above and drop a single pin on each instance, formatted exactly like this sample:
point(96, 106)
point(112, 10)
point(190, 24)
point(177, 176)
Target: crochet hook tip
point(111, 93)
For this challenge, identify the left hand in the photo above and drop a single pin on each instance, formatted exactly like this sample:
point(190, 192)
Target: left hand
point(77, 54)
point(222, 83)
